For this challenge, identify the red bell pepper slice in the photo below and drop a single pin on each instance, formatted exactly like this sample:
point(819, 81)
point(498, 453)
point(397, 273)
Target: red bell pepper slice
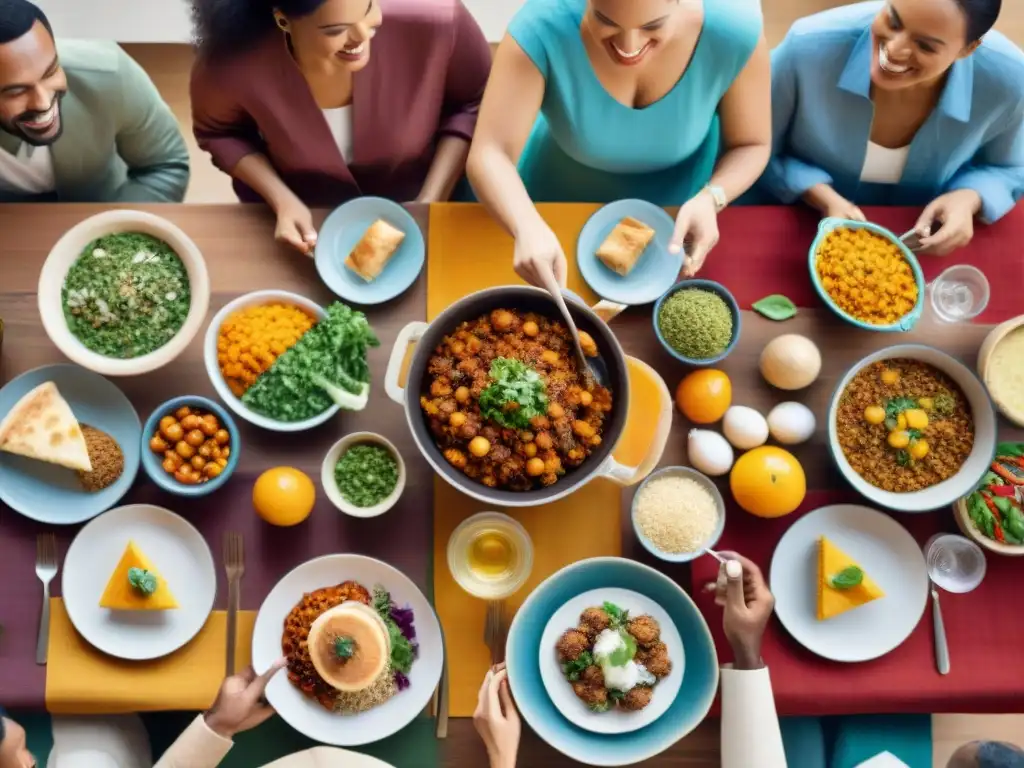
point(998, 527)
point(1006, 491)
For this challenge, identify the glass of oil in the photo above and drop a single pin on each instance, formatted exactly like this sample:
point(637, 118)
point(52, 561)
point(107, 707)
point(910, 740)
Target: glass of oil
point(490, 555)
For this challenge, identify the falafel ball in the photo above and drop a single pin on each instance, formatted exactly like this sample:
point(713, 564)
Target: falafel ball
point(645, 630)
point(571, 644)
point(592, 675)
point(655, 659)
point(636, 698)
point(591, 695)
point(594, 621)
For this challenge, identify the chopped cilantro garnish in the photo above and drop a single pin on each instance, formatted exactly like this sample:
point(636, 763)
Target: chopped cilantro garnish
point(366, 475)
point(516, 394)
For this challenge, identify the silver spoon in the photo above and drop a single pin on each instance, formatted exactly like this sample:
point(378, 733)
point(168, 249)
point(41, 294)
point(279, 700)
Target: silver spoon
point(957, 565)
point(591, 374)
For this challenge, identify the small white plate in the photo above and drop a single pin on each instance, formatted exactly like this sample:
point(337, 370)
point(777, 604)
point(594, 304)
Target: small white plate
point(560, 689)
point(307, 716)
point(176, 549)
point(886, 551)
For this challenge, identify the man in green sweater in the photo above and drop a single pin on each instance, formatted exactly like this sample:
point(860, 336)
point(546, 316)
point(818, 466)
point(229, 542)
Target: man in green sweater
point(81, 121)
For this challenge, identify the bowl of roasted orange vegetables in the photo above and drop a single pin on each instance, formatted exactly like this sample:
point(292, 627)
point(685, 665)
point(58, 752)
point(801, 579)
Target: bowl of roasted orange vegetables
point(284, 363)
point(866, 275)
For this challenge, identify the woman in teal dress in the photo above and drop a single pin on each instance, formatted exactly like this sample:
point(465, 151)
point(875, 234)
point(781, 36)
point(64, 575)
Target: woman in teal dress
point(598, 100)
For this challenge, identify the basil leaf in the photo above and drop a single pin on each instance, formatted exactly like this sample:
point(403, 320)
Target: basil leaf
point(142, 580)
point(776, 307)
point(848, 578)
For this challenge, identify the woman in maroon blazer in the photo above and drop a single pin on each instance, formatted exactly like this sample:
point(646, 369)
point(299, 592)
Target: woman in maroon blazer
point(314, 102)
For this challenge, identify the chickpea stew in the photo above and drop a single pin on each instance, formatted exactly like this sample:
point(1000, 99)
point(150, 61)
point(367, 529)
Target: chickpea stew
point(904, 425)
point(506, 404)
point(866, 275)
point(194, 445)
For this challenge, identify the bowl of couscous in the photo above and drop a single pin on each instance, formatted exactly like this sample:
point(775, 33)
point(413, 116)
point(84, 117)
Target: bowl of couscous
point(677, 514)
point(245, 339)
point(866, 275)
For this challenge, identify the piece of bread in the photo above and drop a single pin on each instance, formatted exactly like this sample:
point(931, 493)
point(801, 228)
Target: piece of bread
point(41, 426)
point(120, 595)
point(624, 246)
point(374, 250)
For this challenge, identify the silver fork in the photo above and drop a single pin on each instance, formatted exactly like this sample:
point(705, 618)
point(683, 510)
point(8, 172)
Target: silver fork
point(234, 565)
point(46, 569)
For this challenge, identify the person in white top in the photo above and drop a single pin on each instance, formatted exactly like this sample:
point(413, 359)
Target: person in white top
point(751, 736)
point(122, 742)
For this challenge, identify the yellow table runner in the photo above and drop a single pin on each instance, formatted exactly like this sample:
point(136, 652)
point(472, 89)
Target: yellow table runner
point(81, 680)
point(469, 252)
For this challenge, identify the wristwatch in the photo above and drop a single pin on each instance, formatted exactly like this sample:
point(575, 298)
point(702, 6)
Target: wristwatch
point(718, 195)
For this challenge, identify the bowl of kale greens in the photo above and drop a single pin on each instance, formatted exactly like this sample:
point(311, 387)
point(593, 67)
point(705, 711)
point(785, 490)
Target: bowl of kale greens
point(123, 293)
point(325, 370)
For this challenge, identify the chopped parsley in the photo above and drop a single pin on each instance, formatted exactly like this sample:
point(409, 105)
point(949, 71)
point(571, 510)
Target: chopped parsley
point(516, 394)
point(126, 295)
point(573, 669)
point(366, 475)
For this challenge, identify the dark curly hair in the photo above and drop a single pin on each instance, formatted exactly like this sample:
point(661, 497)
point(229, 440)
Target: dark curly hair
point(17, 18)
point(225, 26)
point(981, 16)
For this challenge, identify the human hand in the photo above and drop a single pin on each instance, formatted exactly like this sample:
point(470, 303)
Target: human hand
point(948, 222)
point(696, 230)
point(240, 704)
point(497, 720)
point(538, 251)
point(841, 208)
point(748, 606)
point(295, 226)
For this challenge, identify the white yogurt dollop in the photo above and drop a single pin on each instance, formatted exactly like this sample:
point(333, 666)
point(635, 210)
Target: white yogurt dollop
point(623, 678)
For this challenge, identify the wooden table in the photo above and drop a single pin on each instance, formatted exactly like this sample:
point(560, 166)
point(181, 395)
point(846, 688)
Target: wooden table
point(242, 257)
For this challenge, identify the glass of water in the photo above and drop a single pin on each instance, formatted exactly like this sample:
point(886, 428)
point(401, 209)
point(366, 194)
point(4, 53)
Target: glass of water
point(959, 294)
point(955, 563)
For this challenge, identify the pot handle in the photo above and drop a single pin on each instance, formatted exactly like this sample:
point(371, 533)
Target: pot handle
point(626, 476)
point(410, 334)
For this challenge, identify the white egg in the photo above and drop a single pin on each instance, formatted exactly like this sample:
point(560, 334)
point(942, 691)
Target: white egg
point(791, 423)
point(709, 452)
point(744, 427)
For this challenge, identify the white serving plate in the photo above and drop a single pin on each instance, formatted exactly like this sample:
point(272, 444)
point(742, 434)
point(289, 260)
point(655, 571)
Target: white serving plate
point(886, 552)
point(178, 552)
point(560, 690)
point(306, 715)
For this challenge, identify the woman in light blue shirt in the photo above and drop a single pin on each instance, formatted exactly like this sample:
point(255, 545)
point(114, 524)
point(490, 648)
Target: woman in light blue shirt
point(597, 100)
point(907, 102)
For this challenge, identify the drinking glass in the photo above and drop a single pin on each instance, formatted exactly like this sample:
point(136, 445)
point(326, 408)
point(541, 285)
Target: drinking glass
point(959, 294)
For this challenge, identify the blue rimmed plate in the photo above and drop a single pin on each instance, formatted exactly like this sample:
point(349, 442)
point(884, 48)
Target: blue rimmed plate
point(345, 227)
point(655, 272)
point(697, 688)
point(52, 494)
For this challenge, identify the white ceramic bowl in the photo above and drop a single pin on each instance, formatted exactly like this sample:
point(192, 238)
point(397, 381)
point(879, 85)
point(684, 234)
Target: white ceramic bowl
point(331, 486)
point(709, 486)
point(73, 244)
point(213, 368)
point(963, 482)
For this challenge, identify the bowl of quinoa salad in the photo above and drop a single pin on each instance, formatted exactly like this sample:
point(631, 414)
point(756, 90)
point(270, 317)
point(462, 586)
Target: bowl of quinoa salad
point(123, 293)
point(927, 399)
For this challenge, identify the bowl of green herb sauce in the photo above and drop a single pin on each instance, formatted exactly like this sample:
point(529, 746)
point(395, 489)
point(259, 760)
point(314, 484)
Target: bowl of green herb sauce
point(123, 293)
point(697, 322)
point(363, 474)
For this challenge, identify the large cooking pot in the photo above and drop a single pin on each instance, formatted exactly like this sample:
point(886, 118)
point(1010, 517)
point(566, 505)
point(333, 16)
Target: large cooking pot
point(427, 337)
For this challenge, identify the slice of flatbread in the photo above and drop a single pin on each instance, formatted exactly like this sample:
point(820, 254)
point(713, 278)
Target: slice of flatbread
point(624, 245)
point(41, 426)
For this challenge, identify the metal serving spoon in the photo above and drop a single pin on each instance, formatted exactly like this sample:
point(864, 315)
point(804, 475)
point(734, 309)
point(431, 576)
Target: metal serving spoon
point(592, 368)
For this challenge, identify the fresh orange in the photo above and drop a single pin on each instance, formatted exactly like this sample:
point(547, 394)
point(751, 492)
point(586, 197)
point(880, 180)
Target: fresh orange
point(768, 482)
point(704, 396)
point(283, 496)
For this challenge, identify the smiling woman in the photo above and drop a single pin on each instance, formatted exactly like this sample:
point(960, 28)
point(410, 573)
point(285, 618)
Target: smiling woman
point(598, 100)
point(314, 102)
point(908, 102)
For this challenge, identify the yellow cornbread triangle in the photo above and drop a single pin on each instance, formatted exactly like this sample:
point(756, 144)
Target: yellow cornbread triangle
point(831, 601)
point(120, 595)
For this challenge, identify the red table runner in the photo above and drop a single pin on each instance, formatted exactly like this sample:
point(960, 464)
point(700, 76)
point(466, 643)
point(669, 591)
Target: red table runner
point(764, 250)
point(984, 630)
